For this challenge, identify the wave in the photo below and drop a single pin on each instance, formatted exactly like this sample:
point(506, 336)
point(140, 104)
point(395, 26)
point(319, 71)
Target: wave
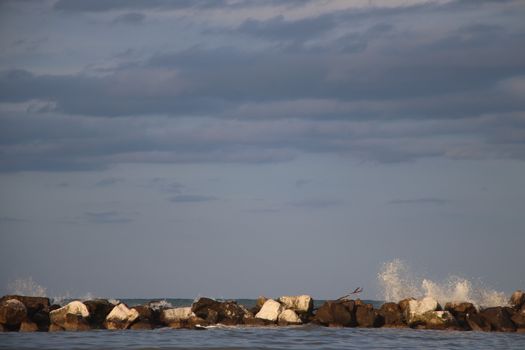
point(399, 282)
point(26, 286)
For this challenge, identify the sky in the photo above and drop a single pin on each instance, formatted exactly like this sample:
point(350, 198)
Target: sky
point(235, 148)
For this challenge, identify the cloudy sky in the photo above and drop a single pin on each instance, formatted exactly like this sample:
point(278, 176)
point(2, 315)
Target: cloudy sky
point(233, 148)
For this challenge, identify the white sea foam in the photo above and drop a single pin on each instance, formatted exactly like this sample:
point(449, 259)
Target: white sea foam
point(26, 286)
point(399, 282)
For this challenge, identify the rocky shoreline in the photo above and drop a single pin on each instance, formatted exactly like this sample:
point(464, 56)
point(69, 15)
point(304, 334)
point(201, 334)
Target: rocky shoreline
point(32, 314)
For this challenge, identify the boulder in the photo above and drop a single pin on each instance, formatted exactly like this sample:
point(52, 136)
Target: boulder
point(32, 304)
point(2, 329)
point(28, 326)
point(213, 311)
point(434, 320)
point(367, 317)
point(301, 304)
point(518, 318)
point(336, 314)
point(175, 315)
point(121, 317)
point(257, 322)
point(98, 311)
point(76, 308)
point(150, 315)
point(403, 305)
point(460, 312)
point(499, 318)
point(41, 318)
point(55, 328)
point(76, 323)
point(270, 311)
point(141, 326)
point(477, 323)
point(517, 299)
point(12, 313)
point(289, 317)
point(416, 308)
point(392, 315)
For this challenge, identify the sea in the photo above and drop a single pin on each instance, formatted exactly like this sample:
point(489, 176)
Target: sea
point(293, 337)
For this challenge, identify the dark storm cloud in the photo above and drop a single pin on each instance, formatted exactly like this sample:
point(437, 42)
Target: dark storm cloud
point(192, 198)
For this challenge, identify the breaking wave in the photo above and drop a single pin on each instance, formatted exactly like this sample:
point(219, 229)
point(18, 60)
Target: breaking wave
point(399, 282)
point(26, 286)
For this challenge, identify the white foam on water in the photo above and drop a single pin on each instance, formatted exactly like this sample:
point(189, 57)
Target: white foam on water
point(26, 286)
point(399, 282)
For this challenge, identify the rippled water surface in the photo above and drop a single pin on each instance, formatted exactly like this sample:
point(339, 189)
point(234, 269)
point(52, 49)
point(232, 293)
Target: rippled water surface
point(307, 337)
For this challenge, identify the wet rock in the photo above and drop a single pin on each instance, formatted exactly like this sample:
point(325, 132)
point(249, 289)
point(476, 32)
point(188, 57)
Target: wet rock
point(32, 304)
point(434, 320)
point(367, 317)
point(288, 317)
point(416, 308)
point(257, 322)
point(460, 312)
point(2, 328)
point(141, 325)
point(517, 299)
point(403, 305)
point(518, 318)
point(392, 315)
point(336, 314)
point(76, 308)
point(150, 315)
point(55, 328)
point(270, 311)
point(98, 310)
point(498, 318)
point(477, 323)
point(12, 313)
point(213, 311)
point(28, 326)
point(301, 304)
point(76, 323)
point(41, 318)
point(121, 317)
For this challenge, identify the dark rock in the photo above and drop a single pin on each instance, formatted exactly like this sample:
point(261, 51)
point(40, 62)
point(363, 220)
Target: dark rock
point(2, 328)
point(141, 325)
point(518, 318)
point(32, 304)
point(55, 328)
point(12, 313)
point(98, 311)
point(41, 318)
point(392, 315)
point(517, 300)
point(336, 313)
point(257, 322)
point(477, 323)
point(367, 317)
point(213, 311)
point(498, 318)
point(460, 312)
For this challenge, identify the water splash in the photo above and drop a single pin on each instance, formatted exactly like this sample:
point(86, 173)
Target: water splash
point(26, 286)
point(399, 282)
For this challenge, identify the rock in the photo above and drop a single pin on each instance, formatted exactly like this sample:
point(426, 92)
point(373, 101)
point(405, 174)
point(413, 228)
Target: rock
point(77, 308)
point(260, 301)
point(289, 317)
point(175, 315)
point(76, 323)
point(392, 315)
point(416, 308)
point(2, 328)
point(121, 317)
point(98, 311)
point(499, 319)
point(434, 320)
point(41, 318)
point(150, 315)
point(12, 313)
point(270, 311)
point(141, 325)
point(403, 305)
point(518, 318)
point(213, 311)
point(336, 314)
point(257, 322)
point(517, 300)
point(301, 304)
point(460, 312)
point(55, 328)
point(28, 326)
point(367, 317)
point(477, 323)
point(32, 304)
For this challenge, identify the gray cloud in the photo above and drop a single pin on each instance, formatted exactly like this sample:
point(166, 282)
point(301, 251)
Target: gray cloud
point(192, 198)
point(424, 201)
point(106, 217)
point(130, 18)
point(317, 203)
point(110, 181)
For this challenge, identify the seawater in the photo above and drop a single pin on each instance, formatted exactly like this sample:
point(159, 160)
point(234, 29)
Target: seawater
point(299, 337)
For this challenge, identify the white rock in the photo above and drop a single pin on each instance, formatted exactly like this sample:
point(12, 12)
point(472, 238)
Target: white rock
point(270, 310)
point(435, 319)
point(121, 317)
point(418, 307)
point(290, 317)
point(58, 316)
point(176, 314)
point(298, 303)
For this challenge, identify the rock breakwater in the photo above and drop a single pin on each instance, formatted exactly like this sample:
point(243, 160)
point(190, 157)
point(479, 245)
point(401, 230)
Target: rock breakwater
point(30, 314)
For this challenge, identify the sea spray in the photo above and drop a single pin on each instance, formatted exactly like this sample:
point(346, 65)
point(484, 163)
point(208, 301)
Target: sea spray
point(26, 286)
point(399, 282)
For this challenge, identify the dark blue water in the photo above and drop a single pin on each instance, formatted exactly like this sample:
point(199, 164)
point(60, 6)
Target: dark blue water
point(298, 337)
